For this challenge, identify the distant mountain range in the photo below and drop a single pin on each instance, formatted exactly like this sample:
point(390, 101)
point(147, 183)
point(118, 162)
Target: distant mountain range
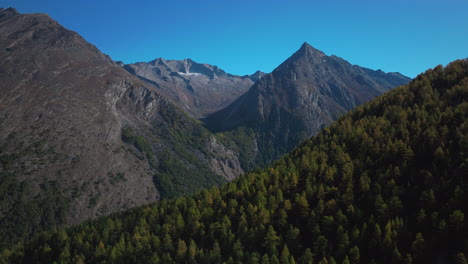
point(83, 136)
point(199, 89)
point(305, 93)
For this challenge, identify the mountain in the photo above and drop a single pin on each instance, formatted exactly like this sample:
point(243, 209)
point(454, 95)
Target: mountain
point(300, 97)
point(199, 89)
point(81, 137)
point(384, 184)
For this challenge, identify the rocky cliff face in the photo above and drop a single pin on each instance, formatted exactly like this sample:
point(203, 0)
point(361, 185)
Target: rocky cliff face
point(81, 137)
point(305, 93)
point(199, 89)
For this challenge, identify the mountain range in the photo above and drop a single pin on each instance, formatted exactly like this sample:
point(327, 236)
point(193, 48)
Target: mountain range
point(384, 184)
point(83, 136)
point(301, 96)
point(199, 89)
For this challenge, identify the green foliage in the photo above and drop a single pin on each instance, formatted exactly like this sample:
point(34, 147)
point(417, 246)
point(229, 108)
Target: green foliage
point(183, 129)
point(384, 184)
point(128, 135)
point(177, 151)
point(183, 175)
point(141, 143)
point(20, 217)
point(116, 178)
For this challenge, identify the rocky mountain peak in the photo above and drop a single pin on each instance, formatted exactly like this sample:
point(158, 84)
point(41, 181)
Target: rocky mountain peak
point(198, 88)
point(256, 76)
point(304, 58)
point(305, 93)
point(8, 12)
point(158, 61)
point(307, 50)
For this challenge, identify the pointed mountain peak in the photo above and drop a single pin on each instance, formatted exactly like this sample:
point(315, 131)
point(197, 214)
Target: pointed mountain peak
point(306, 55)
point(158, 61)
point(256, 75)
point(307, 49)
point(258, 72)
point(305, 45)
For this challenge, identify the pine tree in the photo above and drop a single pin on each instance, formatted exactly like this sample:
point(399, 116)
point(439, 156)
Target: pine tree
point(307, 257)
point(271, 241)
point(181, 250)
point(285, 255)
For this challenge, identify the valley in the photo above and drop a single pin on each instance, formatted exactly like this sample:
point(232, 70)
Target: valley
point(179, 161)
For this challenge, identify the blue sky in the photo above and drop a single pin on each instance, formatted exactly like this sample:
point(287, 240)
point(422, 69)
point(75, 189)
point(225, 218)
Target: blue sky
point(242, 36)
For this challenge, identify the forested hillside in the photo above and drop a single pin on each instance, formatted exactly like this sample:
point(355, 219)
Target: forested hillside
point(384, 184)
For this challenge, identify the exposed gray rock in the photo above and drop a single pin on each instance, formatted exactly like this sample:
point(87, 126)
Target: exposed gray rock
point(226, 162)
point(63, 109)
point(199, 89)
point(305, 93)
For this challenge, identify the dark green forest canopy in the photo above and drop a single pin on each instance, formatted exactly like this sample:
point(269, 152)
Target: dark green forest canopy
point(386, 183)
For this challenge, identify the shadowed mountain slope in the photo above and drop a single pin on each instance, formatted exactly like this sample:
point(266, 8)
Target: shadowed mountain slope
point(81, 137)
point(301, 96)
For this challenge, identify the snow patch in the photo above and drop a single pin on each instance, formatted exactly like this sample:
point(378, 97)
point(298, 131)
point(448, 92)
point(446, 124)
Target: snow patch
point(189, 73)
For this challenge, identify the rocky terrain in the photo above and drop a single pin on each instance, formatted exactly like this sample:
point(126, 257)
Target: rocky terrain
point(305, 93)
point(81, 137)
point(199, 89)
point(384, 184)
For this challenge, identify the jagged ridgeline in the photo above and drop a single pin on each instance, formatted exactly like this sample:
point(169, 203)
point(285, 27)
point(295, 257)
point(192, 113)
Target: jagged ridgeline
point(82, 136)
point(384, 184)
point(305, 93)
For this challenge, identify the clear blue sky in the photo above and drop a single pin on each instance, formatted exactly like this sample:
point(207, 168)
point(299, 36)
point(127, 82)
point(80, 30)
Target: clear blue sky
point(241, 36)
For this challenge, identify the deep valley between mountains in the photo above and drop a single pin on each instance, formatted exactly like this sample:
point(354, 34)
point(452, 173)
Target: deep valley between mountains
point(83, 137)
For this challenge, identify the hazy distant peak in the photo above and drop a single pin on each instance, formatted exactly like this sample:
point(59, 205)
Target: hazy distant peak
point(158, 61)
point(188, 60)
point(256, 75)
point(198, 88)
